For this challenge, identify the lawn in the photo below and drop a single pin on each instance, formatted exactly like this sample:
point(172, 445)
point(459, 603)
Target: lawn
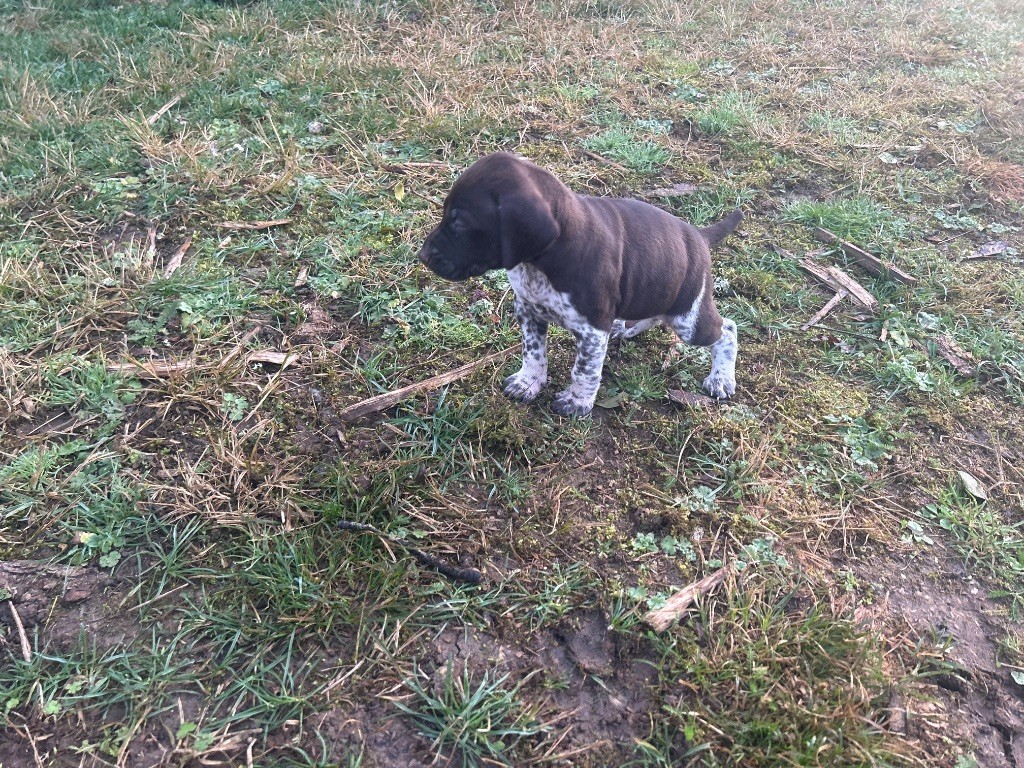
point(209, 216)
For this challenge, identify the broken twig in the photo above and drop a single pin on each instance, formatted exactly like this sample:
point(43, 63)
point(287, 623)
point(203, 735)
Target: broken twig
point(160, 112)
point(26, 648)
point(469, 575)
point(871, 263)
point(829, 306)
point(388, 399)
point(837, 280)
point(958, 357)
point(662, 618)
point(253, 224)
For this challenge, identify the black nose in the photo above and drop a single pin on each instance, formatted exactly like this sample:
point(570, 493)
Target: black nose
point(424, 255)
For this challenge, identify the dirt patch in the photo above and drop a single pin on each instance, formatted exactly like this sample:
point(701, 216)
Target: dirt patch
point(64, 603)
point(575, 670)
point(967, 696)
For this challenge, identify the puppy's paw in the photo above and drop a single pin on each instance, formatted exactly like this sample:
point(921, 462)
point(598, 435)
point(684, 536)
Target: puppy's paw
point(523, 387)
point(618, 329)
point(568, 404)
point(720, 385)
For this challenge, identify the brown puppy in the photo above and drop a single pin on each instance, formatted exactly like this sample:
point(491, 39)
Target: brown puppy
point(599, 267)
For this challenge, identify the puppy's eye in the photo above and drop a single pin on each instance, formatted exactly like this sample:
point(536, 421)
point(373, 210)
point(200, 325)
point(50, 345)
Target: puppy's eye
point(455, 223)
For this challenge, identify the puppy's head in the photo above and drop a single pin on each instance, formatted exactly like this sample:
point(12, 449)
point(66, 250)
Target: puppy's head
point(499, 213)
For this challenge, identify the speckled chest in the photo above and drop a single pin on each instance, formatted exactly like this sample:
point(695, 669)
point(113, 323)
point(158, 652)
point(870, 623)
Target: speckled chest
point(539, 299)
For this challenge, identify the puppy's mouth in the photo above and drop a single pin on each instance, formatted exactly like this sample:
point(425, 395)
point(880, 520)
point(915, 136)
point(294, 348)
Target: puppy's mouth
point(448, 269)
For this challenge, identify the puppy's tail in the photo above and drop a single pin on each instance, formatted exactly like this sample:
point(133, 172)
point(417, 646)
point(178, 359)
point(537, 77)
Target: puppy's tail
point(720, 230)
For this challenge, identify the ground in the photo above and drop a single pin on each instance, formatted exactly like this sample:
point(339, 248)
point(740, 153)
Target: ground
point(210, 213)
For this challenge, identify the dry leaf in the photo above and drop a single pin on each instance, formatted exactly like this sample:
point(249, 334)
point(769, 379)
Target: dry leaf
point(973, 485)
point(689, 398)
point(989, 250)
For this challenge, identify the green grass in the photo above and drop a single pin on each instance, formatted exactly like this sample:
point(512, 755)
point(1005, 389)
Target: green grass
point(472, 723)
point(149, 443)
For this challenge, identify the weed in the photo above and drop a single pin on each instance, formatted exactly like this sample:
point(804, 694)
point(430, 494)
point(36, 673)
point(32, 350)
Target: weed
point(475, 723)
point(627, 147)
point(985, 538)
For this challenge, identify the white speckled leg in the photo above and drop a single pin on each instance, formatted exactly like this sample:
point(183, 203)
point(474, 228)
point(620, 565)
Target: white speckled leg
point(721, 382)
point(527, 383)
point(578, 399)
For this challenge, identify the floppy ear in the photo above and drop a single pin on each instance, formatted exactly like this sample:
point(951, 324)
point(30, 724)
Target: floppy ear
point(528, 226)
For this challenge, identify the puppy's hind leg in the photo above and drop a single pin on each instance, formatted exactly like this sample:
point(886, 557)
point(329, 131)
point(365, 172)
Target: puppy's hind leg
point(697, 329)
point(527, 383)
point(721, 382)
point(627, 329)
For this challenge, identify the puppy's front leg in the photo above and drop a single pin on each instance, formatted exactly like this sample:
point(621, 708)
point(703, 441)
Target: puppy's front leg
point(578, 399)
point(527, 383)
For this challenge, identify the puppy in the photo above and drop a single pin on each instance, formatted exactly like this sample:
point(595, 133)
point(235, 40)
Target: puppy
point(600, 267)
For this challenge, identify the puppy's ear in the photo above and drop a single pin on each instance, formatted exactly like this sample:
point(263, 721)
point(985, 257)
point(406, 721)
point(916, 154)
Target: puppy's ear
point(528, 226)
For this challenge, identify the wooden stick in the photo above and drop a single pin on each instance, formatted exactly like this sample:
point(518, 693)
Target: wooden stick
point(829, 306)
point(26, 648)
point(662, 618)
point(871, 263)
point(388, 399)
point(469, 575)
point(160, 112)
point(253, 224)
point(837, 280)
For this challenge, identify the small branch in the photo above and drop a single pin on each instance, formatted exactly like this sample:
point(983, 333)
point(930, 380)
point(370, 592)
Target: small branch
point(388, 399)
point(469, 575)
point(662, 618)
point(160, 112)
point(829, 306)
point(26, 648)
point(871, 263)
point(837, 280)
point(253, 224)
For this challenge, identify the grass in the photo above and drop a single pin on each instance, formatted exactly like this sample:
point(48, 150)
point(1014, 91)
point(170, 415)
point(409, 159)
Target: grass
point(480, 723)
point(158, 464)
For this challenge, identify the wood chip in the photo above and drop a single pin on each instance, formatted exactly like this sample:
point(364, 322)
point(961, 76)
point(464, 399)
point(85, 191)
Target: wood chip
point(963, 362)
point(388, 399)
point(691, 399)
point(251, 225)
point(176, 258)
point(676, 190)
point(303, 277)
point(662, 618)
point(151, 369)
point(838, 280)
point(871, 263)
point(283, 359)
